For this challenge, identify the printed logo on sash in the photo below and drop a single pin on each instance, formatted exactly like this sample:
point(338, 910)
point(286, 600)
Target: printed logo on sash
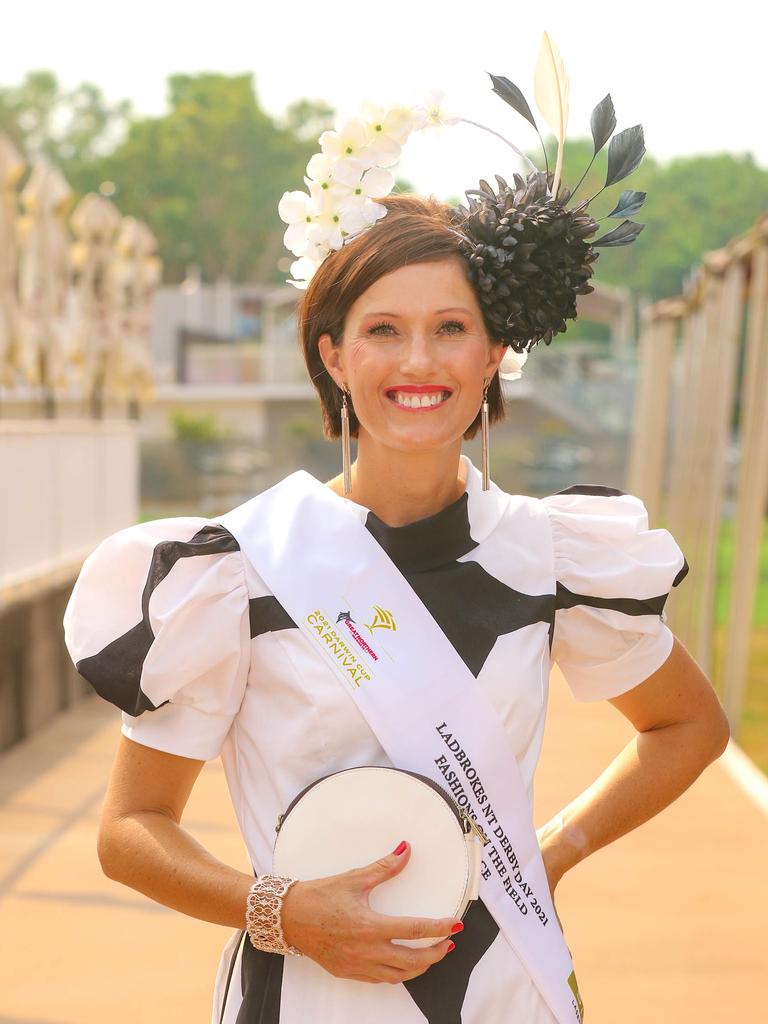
point(319, 623)
point(383, 620)
point(354, 669)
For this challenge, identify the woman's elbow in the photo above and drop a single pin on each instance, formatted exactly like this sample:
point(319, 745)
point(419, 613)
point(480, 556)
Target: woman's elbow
point(715, 730)
point(723, 733)
point(108, 848)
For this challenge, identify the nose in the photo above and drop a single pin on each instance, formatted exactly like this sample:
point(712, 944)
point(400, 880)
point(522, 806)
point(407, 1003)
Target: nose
point(419, 356)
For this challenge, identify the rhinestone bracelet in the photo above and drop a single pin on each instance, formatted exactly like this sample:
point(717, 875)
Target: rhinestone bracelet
point(263, 911)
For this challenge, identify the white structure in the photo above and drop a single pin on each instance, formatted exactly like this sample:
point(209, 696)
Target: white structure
point(66, 484)
point(232, 334)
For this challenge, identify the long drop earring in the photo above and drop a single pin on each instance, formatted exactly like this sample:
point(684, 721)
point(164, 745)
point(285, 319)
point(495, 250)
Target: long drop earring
point(346, 446)
point(484, 434)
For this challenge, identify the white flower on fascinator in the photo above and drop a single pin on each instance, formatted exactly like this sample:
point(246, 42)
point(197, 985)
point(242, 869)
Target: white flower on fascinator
point(343, 182)
point(347, 176)
point(346, 140)
point(320, 171)
point(298, 211)
point(302, 270)
point(330, 225)
point(389, 126)
point(353, 148)
point(433, 113)
point(358, 196)
point(510, 367)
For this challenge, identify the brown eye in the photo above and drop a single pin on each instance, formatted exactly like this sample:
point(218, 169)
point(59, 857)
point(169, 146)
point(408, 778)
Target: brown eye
point(454, 323)
point(375, 328)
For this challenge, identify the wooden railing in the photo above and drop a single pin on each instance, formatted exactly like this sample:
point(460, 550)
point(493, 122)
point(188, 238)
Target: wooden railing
point(693, 410)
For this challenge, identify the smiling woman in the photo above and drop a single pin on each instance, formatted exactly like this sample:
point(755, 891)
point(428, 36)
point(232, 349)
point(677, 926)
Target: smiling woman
point(415, 235)
point(318, 628)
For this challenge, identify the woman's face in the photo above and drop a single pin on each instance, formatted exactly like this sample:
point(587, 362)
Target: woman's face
point(419, 326)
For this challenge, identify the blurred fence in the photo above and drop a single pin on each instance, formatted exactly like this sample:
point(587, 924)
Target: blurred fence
point(699, 457)
point(76, 296)
point(76, 290)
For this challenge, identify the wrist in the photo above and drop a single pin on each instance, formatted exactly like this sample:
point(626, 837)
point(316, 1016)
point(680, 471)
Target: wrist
point(263, 914)
point(289, 918)
point(563, 844)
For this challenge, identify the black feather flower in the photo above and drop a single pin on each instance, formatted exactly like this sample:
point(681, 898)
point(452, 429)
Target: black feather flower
point(528, 257)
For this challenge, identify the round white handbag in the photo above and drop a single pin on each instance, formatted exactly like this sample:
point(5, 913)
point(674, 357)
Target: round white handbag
point(352, 817)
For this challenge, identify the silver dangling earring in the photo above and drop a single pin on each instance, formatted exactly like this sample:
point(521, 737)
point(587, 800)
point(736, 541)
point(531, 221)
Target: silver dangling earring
point(484, 430)
point(346, 446)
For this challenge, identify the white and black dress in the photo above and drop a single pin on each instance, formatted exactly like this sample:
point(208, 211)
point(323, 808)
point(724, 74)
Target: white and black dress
point(170, 622)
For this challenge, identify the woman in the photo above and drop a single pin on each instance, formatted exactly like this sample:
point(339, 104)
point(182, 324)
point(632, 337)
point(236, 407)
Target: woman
point(171, 622)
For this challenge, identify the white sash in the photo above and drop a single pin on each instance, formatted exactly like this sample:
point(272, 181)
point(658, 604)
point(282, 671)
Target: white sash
point(424, 705)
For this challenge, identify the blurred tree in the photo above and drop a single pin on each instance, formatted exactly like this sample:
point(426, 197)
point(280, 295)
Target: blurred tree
point(306, 119)
point(69, 126)
point(208, 175)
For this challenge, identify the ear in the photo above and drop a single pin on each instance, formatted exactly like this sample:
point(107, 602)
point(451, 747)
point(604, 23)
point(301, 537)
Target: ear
point(331, 356)
point(494, 358)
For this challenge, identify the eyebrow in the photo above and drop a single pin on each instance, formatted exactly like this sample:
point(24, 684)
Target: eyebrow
point(449, 309)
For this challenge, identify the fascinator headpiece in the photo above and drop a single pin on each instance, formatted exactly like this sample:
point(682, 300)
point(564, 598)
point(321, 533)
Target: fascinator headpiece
point(528, 254)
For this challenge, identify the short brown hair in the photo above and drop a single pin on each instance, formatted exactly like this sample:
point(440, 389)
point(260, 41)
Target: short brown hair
point(416, 229)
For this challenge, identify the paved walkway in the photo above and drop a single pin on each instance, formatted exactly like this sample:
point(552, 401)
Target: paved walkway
point(665, 925)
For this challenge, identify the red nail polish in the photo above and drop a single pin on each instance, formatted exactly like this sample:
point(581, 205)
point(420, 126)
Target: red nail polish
point(458, 927)
point(452, 947)
point(401, 848)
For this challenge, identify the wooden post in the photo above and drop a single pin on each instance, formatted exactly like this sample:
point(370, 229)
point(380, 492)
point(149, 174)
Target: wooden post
point(722, 342)
point(652, 410)
point(751, 490)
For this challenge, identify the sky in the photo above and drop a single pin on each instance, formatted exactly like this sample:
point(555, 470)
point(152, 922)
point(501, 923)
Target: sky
point(693, 77)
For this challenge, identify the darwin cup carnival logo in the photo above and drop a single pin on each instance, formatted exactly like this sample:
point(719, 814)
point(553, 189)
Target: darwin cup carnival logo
point(345, 642)
point(382, 619)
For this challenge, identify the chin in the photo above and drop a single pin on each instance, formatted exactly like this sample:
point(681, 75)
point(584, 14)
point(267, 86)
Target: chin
point(413, 443)
point(411, 438)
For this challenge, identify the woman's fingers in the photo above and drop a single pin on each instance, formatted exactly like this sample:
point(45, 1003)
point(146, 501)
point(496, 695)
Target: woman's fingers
point(382, 869)
point(330, 920)
point(391, 927)
point(402, 966)
point(410, 963)
point(387, 962)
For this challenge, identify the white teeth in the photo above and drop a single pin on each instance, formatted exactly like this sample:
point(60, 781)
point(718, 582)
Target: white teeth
point(419, 401)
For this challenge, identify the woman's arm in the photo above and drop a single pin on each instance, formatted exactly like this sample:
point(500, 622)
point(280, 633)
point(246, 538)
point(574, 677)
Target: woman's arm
point(681, 728)
point(142, 845)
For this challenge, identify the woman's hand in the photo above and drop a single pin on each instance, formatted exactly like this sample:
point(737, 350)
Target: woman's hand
point(329, 920)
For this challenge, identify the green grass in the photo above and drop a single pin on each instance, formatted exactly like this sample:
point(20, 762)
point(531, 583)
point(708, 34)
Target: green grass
point(724, 563)
point(753, 735)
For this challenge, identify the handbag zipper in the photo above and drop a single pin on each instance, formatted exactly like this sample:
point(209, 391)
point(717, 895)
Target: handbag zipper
point(472, 826)
point(466, 821)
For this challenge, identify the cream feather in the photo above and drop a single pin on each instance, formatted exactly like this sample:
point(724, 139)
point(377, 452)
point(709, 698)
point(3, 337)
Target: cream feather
point(551, 90)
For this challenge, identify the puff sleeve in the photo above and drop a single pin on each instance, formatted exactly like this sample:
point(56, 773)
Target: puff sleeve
point(613, 576)
point(158, 623)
